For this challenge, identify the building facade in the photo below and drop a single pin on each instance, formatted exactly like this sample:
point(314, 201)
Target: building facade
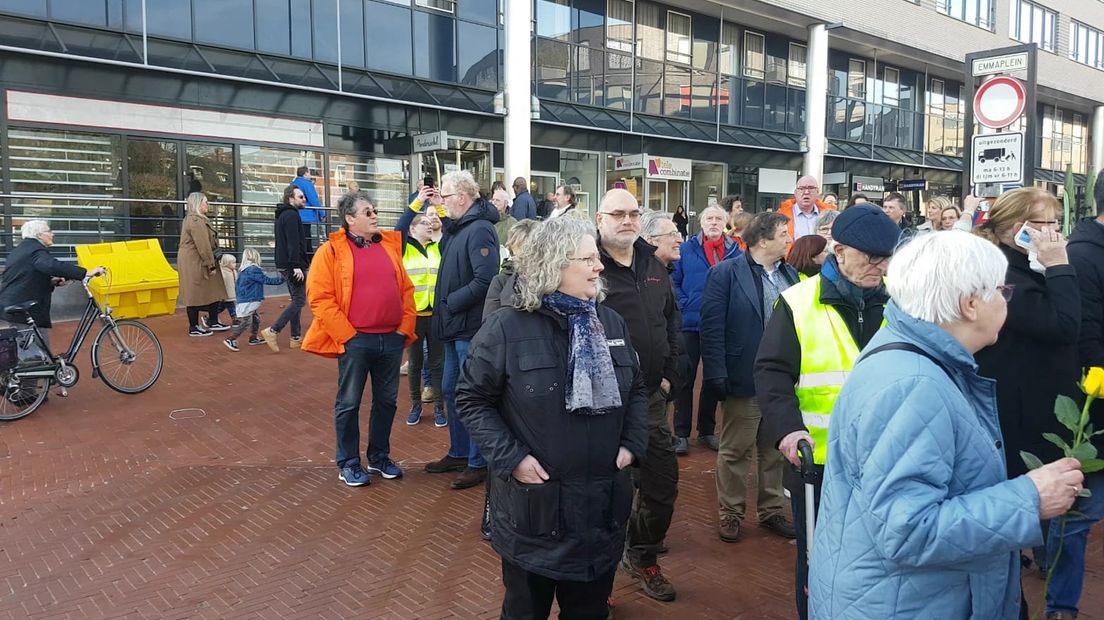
point(112, 111)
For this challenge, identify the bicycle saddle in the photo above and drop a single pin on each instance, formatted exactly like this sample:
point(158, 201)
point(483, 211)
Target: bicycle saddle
point(20, 309)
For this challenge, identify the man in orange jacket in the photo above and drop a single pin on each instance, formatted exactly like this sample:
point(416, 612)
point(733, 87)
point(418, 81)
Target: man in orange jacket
point(807, 199)
point(363, 306)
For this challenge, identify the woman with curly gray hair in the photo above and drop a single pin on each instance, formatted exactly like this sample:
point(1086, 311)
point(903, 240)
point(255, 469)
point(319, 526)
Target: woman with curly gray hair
point(552, 396)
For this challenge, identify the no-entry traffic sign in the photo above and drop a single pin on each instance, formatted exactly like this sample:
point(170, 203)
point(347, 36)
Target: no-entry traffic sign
point(1000, 102)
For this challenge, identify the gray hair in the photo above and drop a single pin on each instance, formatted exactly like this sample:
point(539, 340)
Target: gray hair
point(701, 215)
point(515, 240)
point(649, 223)
point(825, 219)
point(544, 255)
point(31, 229)
point(461, 181)
point(505, 196)
point(926, 278)
point(347, 206)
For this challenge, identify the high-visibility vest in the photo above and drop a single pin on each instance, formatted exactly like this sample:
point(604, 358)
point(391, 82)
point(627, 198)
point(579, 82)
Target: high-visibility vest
point(422, 269)
point(828, 353)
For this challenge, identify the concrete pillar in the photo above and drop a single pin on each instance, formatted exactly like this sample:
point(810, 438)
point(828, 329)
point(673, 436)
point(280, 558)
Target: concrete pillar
point(816, 101)
point(1096, 162)
point(518, 89)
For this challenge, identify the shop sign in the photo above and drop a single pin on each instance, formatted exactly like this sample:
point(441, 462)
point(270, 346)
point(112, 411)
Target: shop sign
point(436, 141)
point(997, 158)
point(868, 184)
point(670, 168)
point(629, 162)
point(909, 185)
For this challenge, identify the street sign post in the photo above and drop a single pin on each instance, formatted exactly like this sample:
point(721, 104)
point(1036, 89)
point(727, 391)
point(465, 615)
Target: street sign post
point(997, 158)
point(1022, 61)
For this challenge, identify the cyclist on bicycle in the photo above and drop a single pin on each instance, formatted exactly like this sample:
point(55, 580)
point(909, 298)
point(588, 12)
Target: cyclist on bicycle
point(32, 273)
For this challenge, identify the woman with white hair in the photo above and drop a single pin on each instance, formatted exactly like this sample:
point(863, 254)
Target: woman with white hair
point(32, 273)
point(918, 518)
point(552, 395)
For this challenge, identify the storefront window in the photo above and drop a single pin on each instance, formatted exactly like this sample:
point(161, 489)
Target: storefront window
point(152, 175)
point(265, 172)
point(385, 179)
point(580, 171)
point(462, 154)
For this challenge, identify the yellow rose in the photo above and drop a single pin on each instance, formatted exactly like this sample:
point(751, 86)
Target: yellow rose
point(1093, 383)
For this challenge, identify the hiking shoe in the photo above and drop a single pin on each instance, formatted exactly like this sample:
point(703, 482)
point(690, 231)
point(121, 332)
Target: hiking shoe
point(729, 529)
point(386, 468)
point(270, 339)
point(255, 340)
point(439, 419)
point(778, 524)
point(354, 476)
point(296, 343)
point(218, 327)
point(415, 414)
point(428, 394)
point(682, 445)
point(709, 441)
point(469, 478)
point(652, 581)
point(230, 344)
point(199, 332)
point(447, 464)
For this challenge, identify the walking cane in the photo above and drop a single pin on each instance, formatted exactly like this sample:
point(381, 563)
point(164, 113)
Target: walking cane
point(808, 476)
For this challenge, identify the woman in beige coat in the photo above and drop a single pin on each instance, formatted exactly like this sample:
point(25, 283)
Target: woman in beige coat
point(201, 286)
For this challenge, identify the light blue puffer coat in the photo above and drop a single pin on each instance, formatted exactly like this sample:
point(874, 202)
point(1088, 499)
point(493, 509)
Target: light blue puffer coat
point(917, 519)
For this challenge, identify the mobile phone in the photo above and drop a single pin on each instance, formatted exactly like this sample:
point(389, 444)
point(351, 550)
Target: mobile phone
point(1023, 239)
point(981, 216)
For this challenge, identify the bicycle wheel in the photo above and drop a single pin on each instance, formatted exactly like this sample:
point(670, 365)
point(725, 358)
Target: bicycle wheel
point(128, 356)
point(20, 396)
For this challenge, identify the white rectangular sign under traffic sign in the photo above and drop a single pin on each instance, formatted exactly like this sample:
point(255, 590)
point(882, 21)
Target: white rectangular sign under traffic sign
point(997, 158)
point(1000, 64)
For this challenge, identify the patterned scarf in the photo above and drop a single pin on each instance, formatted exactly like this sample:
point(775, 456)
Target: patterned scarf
point(591, 385)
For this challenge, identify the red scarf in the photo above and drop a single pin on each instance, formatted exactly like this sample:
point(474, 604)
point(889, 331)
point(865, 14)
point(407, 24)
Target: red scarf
point(714, 250)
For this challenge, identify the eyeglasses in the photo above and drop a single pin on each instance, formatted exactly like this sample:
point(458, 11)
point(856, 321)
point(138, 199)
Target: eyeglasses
point(1006, 291)
point(673, 233)
point(874, 260)
point(621, 215)
point(1044, 222)
point(299, 197)
point(593, 259)
point(368, 212)
point(443, 196)
point(807, 188)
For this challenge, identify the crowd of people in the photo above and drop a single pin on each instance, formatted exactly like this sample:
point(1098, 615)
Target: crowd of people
point(563, 355)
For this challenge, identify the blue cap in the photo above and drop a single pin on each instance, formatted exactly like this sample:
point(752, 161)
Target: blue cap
point(867, 229)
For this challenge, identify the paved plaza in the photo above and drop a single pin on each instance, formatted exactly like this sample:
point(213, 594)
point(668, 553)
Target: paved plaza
point(214, 495)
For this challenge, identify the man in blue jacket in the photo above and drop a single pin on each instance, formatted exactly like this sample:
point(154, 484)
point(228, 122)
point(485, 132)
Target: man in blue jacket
point(311, 213)
point(524, 207)
point(737, 302)
point(699, 253)
point(469, 260)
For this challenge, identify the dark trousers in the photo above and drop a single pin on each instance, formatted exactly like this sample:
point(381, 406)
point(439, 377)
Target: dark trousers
point(529, 595)
point(298, 291)
point(380, 356)
point(210, 309)
point(796, 487)
point(417, 359)
point(684, 403)
point(253, 322)
point(227, 306)
point(656, 484)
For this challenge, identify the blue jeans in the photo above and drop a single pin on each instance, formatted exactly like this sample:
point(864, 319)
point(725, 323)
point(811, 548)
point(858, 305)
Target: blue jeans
point(1069, 574)
point(460, 442)
point(379, 355)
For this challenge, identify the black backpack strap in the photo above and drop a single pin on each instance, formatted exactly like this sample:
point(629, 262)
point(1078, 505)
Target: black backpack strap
point(906, 346)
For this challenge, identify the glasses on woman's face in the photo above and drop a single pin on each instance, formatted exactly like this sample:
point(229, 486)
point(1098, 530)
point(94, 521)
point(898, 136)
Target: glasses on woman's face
point(1006, 291)
point(592, 260)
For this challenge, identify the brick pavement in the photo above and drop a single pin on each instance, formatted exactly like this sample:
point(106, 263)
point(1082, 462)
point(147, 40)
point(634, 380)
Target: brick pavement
point(214, 495)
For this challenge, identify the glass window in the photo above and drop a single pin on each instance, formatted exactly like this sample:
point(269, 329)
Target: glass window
point(382, 177)
point(753, 104)
point(677, 92)
point(618, 81)
point(649, 86)
point(265, 172)
point(587, 81)
point(707, 32)
point(92, 12)
point(774, 108)
point(754, 55)
point(649, 31)
point(301, 29)
point(856, 79)
point(619, 34)
point(224, 22)
point(1086, 45)
point(152, 174)
point(1032, 23)
point(703, 96)
point(273, 19)
point(478, 57)
point(976, 12)
point(394, 54)
point(891, 87)
point(324, 28)
point(352, 34)
point(554, 19)
point(589, 19)
point(34, 8)
point(434, 56)
point(170, 18)
point(796, 73)
point(485, 11)
point(552, 65)
point(678, 37)
point(729, 49)
point(448, 6)
point(210, 169)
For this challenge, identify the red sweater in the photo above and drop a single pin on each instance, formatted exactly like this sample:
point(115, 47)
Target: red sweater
point(375, 307)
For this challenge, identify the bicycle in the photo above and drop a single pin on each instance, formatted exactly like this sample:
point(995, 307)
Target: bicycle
point(126, 356)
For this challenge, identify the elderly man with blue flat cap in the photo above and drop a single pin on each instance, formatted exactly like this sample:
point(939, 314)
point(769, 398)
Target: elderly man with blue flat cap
point(810, 345)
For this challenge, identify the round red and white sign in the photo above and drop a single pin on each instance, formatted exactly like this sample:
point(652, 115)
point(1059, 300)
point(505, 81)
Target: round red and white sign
point(1000, 102)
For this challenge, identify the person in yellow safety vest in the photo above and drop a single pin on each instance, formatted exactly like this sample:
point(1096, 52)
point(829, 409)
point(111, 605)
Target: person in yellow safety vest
point(810, 345)
point(421, 258)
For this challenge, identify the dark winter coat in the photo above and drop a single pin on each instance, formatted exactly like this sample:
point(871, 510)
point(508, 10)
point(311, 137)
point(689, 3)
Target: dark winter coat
point(1035, 358)
point(501, 293)
point(1086, 254)
point(689, 277)
point(778, 364)
point(732, 324)
point(291, 242)
point(642, 294)
point(27, 278)
point(524, 208)
point(469, 260)
point(511, 399)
